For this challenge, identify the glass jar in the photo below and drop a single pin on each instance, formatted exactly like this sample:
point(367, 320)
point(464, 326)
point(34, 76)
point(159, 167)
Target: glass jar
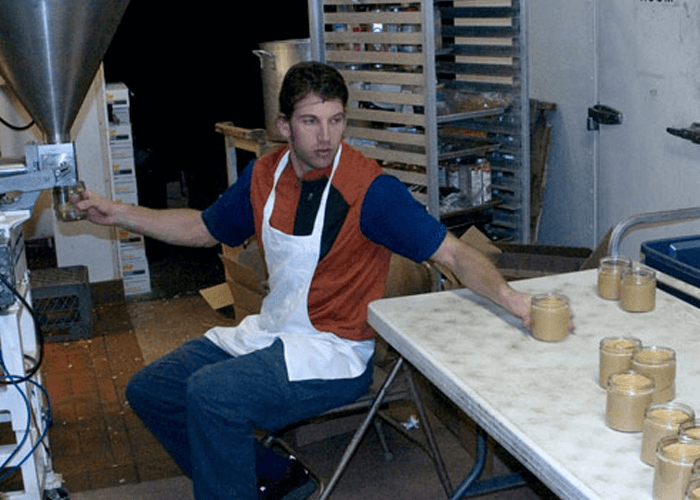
point(662, 420)
point(638, 289)
point(691, 430)
point(675, 456)
point(628, 396)
point(550, 317)
point(609, 275)
point(64, 199)
point(615, 356)
point(659, 364)
point(692, 492)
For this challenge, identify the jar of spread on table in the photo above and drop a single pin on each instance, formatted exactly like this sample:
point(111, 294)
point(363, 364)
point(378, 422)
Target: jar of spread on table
point(609, 275)
point(692, 492)
point(628, 396)
point(662, 420)
point(615, 356)
point(659, 364)
point(691, 429)
point(675, 456)
point(550, 317)
point(638, 289)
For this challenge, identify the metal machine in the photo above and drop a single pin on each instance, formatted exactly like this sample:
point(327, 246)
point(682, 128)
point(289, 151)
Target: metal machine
point(50, 51)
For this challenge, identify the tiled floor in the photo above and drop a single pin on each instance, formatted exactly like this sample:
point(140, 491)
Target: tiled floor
point(96, 440)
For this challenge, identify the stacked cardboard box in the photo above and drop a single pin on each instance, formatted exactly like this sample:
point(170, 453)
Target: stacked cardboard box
point(135, 271)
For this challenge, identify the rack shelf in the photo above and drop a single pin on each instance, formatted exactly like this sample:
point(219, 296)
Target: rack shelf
point(438, 96)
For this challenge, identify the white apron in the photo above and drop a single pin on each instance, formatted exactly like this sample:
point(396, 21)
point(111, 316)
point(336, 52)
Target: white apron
point(291, 264)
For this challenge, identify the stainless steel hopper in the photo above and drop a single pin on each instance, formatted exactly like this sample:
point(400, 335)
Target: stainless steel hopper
point(50, 51)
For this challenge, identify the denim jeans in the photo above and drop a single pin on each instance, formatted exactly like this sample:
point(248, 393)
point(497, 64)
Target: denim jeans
point(204, 404)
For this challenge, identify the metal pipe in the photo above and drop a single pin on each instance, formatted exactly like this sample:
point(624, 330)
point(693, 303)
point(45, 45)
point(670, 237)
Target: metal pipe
point(664, 217)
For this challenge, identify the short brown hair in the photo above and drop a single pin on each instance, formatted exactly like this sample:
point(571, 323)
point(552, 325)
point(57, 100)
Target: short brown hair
point(306, 77)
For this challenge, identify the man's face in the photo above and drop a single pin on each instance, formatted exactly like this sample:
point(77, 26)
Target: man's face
point(314, 132)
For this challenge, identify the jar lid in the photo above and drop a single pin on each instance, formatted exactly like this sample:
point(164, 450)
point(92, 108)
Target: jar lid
point(654, 355)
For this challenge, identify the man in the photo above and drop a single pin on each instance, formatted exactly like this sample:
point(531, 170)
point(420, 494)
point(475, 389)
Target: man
point(327, 219)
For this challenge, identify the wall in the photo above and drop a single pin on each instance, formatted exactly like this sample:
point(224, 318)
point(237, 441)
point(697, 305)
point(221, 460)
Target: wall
point(641, 58)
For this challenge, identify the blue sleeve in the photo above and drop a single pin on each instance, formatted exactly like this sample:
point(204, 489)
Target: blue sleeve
point(391, 217)
point(230, 218)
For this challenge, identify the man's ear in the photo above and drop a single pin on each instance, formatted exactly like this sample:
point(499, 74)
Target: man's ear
point(284, 127)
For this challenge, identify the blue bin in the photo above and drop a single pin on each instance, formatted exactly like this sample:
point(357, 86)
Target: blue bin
point(677, 257)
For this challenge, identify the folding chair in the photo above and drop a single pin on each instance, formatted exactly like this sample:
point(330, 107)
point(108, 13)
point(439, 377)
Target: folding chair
point(405, 278)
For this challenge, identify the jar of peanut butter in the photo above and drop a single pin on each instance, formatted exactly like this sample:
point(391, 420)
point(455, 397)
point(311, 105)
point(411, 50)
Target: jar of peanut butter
point(609, 274)
point(615, 356)
point(550, 317)
point(691, 430)
point(638, 289)
point(628, 397)
point(675, 456)
point(662, 420)
point(692, 492)
point(659, 364)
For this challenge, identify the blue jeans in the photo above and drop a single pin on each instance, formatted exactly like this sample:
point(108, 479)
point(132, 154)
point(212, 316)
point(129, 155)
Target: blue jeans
point(204, 404)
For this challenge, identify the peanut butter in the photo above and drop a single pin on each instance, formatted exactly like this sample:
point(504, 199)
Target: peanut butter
point(661, 421)
point(609, 275)
point(672, 470)
point(638, 290)
point(628, 397)
point(615, 356)
point(659, 364)
point(550, 317)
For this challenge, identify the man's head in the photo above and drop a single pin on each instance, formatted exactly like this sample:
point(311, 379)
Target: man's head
point(310, 77)
point(312, 114)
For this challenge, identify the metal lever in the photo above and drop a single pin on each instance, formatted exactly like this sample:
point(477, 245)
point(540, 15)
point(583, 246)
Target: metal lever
point(691, 133)
point(603, 114)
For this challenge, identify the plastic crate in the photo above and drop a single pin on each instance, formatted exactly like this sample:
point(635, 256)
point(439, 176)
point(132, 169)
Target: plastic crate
point(62, 302)
point(677, 257)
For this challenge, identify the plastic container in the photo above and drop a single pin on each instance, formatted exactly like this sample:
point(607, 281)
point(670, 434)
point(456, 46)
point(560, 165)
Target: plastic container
point(660, 421)
point(675, 456)
point(659, 364)
point(677, 257)
point(638, 289)
point(551, 316)
point(628, 397)
point(615, 356)
point(609, 274)
point(64, 199)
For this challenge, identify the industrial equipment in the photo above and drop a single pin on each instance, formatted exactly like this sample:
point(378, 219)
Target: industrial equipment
point(50, 51)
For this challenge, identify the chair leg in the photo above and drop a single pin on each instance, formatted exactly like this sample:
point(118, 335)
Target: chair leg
point(388, 455)
point(361, 431)
point(428, 432)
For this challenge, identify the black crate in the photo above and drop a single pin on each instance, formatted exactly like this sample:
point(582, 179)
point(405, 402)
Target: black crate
point(62, 302)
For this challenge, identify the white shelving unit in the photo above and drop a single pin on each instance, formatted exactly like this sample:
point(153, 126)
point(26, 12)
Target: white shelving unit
point(438, 95)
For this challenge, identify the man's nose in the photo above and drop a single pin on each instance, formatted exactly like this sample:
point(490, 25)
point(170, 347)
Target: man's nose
point(324, 132)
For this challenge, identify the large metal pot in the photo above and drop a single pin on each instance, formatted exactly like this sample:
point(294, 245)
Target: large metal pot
point(275, 59)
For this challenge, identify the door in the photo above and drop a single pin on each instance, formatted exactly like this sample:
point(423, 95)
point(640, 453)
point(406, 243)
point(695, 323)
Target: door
point(649, 70)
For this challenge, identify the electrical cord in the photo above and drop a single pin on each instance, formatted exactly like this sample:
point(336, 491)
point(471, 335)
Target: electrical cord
point(39, 336)
point(8, 379)
point(15, 127)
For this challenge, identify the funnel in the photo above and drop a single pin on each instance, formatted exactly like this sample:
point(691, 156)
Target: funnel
point(50, 51)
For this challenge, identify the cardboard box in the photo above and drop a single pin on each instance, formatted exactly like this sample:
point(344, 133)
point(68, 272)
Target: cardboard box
point(520, 261)
point(246, 277)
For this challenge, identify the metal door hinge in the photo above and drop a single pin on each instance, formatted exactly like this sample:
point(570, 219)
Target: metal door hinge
point(603, 114)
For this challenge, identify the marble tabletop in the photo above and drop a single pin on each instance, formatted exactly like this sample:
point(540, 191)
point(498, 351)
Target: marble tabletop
point(541, 400)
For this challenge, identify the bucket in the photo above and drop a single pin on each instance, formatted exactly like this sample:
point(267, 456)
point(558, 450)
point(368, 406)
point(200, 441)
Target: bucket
point(275, 59)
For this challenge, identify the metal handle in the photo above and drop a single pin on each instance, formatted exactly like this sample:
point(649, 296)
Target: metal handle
point(261, 53)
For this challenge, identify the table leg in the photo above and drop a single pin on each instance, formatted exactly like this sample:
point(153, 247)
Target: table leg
point(472, 486)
